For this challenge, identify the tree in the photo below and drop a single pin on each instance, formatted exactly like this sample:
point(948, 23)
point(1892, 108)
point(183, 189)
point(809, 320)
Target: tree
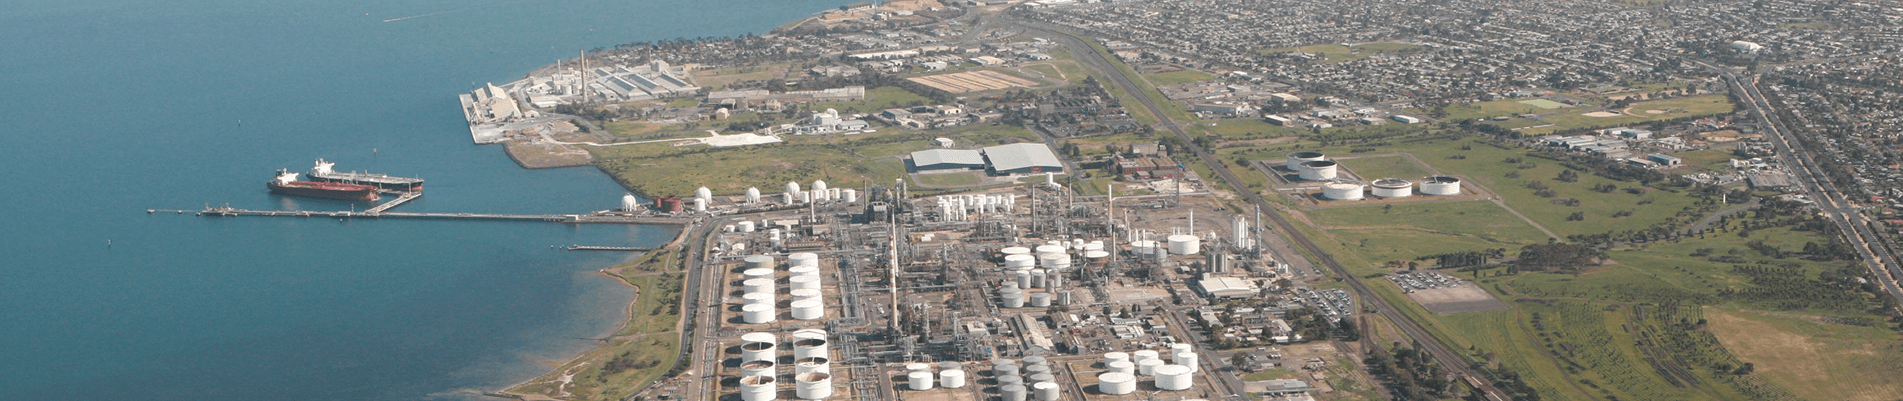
point(1239, 360)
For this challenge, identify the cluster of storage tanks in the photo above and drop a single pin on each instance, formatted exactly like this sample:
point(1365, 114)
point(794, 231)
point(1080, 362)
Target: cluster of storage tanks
point(1121, 370)
point(1178, 244)
point(1016, 381)
point(1387, 188)
point(759, 365)
point(819, 193)
point(1043, 267)
point(760, 289)
point(960, 207)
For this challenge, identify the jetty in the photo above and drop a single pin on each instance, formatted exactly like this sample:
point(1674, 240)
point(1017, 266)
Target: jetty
point(227, 211)
point(609, 248)
point(401, 198)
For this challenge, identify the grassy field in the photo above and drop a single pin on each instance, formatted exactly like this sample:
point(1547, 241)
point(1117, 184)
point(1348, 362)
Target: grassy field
point(1048, 70)
point(718, 79)
point(1645, 111)
point(1374, 168)
point(880, 98)
point(1241, 129)
point(948, 179)
point(1814, 360)
point(1491, 108)
point(1178, 77)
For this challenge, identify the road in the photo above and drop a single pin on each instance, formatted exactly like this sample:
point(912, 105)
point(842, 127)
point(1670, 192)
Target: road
point(1094, 60)
point(1816, 183)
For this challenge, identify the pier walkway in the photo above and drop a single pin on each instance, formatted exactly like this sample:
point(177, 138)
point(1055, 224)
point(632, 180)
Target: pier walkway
point(400, 199)
point(226, 211)
point(608, 248)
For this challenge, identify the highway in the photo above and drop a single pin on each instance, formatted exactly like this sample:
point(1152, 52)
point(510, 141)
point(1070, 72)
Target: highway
point(1835, 206)
point(1095, 60)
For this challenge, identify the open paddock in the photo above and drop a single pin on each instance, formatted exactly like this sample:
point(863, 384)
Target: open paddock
point(973, 81)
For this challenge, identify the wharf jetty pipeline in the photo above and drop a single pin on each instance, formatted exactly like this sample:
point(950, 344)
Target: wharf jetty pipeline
point(608, 248)
point(553, 218)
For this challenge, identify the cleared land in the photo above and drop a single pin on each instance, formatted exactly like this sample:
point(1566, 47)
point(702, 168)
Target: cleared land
point(1374, 168)
point(1816, 361)
point(1641, 112)
point(973, 81)
point(1462, 299)
point(1178, 77)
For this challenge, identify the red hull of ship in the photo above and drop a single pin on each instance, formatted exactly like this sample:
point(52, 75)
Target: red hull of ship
point(326, 190)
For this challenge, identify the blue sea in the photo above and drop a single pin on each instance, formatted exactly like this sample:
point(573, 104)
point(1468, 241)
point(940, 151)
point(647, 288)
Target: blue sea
point(112, 107)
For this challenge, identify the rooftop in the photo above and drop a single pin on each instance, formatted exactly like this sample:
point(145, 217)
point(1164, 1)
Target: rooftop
point(947, 156)
point(1021, 155)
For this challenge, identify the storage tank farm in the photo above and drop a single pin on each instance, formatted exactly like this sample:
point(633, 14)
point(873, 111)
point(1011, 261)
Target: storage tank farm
point(1440, 186)
point(1388, 188)
point(1342, 191)
point(1322, 170)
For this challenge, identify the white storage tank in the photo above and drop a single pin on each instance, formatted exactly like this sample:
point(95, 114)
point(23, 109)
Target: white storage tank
point(759, 261)
point(802, 259)
point(1044, 249)
point(757, 313)
point(1114, 357)
point(1063, 297)
point(758, 388)
point(1181, 347)
point(1046, 391)
point(1012, 392)
point(1296, 159)
point(819, 185)
point(759, 347)
point(793, 187)
point(814, 364)
point(803, 334)
point(1393, 188)
point(917, 367)
point(756, 298)
point(1186, 358)
point(1010, 380)
point(629, 203)
point(758, 368)
point(805, 295)
point(1124, 367)
point(803, 271)
point(1144, 355)
point(1055, 260)
point(1041, 300)
point(920, 381)
point(747, 227)
point(1013, 298)
point(809, 310)
point(1143, 247)
point(757, 273)
point(849, 195)
point(1148, 366)
point(1341, 191)
point(758, 286)
point(1173, 377)
point(1184, 244)
point(1015, 250)
point(803, 282)
point(1114, 383)
point(1019, 262)
point(1024, 279)
point(810, 347)
point(1002, 370)
point(1038, 277)
point(953, 378)
point(704, 194)
point(753, 195)
point(1440, 185)
point(813, 385)
point(1317, 170)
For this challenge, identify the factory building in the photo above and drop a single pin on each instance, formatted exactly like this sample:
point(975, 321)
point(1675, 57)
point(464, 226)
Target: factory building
point(946, 159)
point(1021, 158)
point(1227, 287)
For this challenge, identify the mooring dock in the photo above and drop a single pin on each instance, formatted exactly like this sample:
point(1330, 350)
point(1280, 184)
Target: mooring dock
point(608, 248)
point(402, 197)
point(226, 211)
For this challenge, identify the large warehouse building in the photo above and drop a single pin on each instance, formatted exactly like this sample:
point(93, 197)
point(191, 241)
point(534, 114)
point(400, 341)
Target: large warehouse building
point(1022, 158)
point(947, 159)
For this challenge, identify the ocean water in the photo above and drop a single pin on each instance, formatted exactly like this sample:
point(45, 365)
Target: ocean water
point(112, 107)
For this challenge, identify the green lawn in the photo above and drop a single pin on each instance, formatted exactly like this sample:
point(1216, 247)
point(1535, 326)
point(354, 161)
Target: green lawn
point(1374, 168)
point(880, 98)
point(1178, 77)
point(948, 179)
point(1645, 111)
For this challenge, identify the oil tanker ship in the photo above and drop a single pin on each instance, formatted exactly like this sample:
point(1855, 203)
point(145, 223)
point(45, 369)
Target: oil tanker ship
point(323, 172)
point(288, 184)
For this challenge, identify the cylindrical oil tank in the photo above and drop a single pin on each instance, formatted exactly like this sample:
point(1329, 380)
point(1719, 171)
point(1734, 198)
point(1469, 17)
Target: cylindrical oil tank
point(759, 261)
point(1014, 299)
point(1393, 188)
point(1038, 277)
point(757, 285)
point(1114, 357)
point(759, 350)
point(809, 310)
point(920, 381)
point(700, 205)
point(1045, 391)
point(1005, 370)
point(747, 227)
point(918, 367)
point(1036, 360)
point(1093, 246)
point(757, 313)
point(754, 273)
point(798, 271)
point(805, 295)
point(1148, 366)
point(1042, 377)
point(1181, 347)
point(803, 282)
point(1346, 191)
point(951, 378)
point(758, 388)
point(849, 195)
point(1019, 262)
point(949, 365)
point(1186, 358)
point(1015, 250)
point(758, 368)
point(1296, 159)
point(814, 364)
point(756, 298)
point(1173, 377)
point(1024, 279)
point(1043, 249)
point(1317, 170)
point(1185, 244)
point(1040, 300)
point(1063, 297)
point(1096, 258)
point(1037, 369)
point(1122, 367)
point(1010, 380)
point(1114, 383)
point(758, 337)
point(1143, 247)
point(1144, 355)
point(1440, 185)
point(813, 385)
point(1054, 260)
point(1012, 392)
point(803, 259)
point(803, 334)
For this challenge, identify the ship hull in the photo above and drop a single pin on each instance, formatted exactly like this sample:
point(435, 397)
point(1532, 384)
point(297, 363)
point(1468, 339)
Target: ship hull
point(375, 180)
point(308, 189)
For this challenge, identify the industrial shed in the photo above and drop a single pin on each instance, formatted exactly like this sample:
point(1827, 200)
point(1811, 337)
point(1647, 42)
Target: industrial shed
point(1022, 158)
point(947, 159)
